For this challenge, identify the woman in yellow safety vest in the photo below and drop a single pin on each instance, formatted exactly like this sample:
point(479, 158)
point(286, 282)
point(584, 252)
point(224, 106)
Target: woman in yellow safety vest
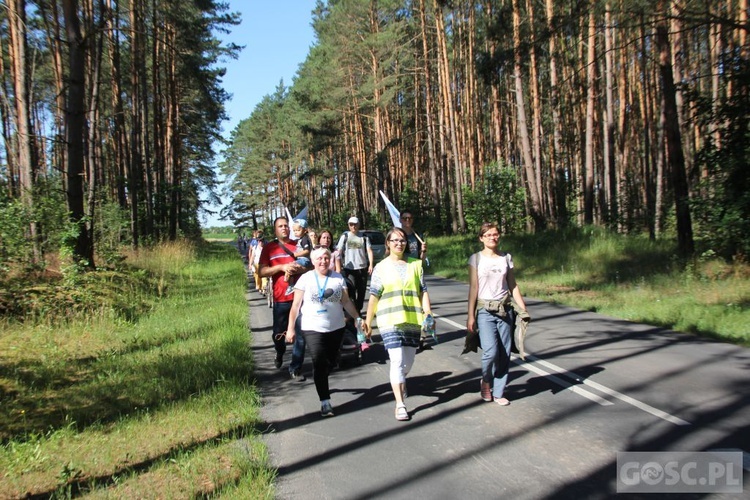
point(398, 296)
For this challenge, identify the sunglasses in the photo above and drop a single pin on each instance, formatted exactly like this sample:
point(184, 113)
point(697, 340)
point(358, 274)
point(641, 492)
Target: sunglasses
point(398, 241)
point(407, 218)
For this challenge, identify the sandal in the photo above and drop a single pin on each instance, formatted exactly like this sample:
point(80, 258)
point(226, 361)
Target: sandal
point(502, 401)
point(485, 390)
point(401, 413)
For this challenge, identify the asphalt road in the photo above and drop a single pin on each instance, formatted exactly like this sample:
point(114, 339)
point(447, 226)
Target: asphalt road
point(593, 386)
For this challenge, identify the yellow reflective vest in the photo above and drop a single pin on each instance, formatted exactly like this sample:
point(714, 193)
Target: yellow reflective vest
point(400, 302)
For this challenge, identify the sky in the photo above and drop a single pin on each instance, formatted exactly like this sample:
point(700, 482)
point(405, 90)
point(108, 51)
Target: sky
point(277, 36)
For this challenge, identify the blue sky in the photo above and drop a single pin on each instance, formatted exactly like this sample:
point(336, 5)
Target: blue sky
point(277, 37)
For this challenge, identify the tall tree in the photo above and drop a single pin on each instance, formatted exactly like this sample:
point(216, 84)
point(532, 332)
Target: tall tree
point(673, 136)
point(83, 250)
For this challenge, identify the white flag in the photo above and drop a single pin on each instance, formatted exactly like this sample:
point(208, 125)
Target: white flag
point(292, 236)
point(392, 210)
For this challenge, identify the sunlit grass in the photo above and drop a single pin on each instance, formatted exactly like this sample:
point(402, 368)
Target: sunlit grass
point(630, 277)
point(160, 406)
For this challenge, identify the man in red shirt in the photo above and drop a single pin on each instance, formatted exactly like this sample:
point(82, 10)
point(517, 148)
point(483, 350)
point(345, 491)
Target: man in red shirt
point(276, 260)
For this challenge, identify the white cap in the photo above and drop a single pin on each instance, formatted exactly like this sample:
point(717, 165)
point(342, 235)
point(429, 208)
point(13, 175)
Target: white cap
point(353, 220)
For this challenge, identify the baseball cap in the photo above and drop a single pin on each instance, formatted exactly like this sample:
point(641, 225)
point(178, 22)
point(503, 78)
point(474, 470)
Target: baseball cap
point(353, 220)
point(302, 222)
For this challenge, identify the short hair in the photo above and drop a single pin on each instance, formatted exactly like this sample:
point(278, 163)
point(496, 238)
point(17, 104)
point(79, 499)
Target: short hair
point(318, 251)
point(487, 226)
point(277, 219)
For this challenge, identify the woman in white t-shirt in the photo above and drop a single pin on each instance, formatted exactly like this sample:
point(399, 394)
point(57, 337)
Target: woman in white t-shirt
point(320, 296)
point(491, 284)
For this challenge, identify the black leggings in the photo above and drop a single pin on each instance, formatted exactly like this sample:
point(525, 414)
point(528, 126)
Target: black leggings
point(359, 279)
point(323, 348)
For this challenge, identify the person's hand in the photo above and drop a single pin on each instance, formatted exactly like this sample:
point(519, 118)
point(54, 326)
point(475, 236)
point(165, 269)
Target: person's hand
point(369, 269)
point(471, 324)
point(366, 330)
point(424, 250)
point(292, 268)
point(290, 333)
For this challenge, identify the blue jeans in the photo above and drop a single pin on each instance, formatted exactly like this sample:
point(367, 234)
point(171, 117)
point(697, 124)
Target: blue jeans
point(495, 337)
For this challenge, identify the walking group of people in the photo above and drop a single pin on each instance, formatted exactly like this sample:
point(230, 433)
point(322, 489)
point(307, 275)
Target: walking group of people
point(313, 316)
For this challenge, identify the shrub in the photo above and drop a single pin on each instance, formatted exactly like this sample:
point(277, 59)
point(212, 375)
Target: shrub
point(497, 197)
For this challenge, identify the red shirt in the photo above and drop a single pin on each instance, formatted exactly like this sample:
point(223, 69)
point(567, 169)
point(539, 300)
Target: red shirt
point(274, 255)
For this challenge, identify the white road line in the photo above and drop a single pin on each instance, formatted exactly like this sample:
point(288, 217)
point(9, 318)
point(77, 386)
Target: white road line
point(586, 381)
point(611, 392)
point(564, 383)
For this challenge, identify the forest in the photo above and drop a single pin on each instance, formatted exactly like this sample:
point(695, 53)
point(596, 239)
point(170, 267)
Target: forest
point(539, 114)
point(623, 114)
point(111, 115)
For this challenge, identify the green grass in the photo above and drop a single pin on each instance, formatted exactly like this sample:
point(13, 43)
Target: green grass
point(138, 382)
point(220, 236)
point(155, 404)
point(629, 277)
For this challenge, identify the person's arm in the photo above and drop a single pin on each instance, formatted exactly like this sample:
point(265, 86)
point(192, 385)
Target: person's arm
point(423, 250)
point(473, 290)
point(426, 305)
point(372, 306)
point(267, 271)
point(425, 297)
point(370, 256)
point(513, 286)
point(293, 313)
point(337, 261)
point(349, 306)
point(340, 245)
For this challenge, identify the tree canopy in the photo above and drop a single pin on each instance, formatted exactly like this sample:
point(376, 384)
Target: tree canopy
point(612, 113)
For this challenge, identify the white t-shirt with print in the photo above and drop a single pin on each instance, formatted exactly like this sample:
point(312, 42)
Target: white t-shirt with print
point(492, 272)
point(324, 314)
point(353, 250)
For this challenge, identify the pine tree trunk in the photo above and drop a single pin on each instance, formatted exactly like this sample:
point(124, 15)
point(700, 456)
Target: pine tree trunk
point(589, 176)
point(83, 251)
point(610, 169)
point(536, 111)
point(5, 119)
point(431, 133)
point(23, 146)
point(557, 180)
point(449, 111)
point(535, 205)
point(673, 137)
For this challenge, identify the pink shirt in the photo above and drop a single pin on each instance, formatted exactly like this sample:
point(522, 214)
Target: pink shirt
point(492, 272)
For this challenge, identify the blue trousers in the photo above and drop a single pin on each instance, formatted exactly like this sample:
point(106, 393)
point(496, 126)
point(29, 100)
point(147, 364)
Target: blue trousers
point(495, 337)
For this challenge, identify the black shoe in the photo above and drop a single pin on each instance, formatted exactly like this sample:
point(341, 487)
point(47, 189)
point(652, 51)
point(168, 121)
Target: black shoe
point(296, 375)
point(277, 361)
